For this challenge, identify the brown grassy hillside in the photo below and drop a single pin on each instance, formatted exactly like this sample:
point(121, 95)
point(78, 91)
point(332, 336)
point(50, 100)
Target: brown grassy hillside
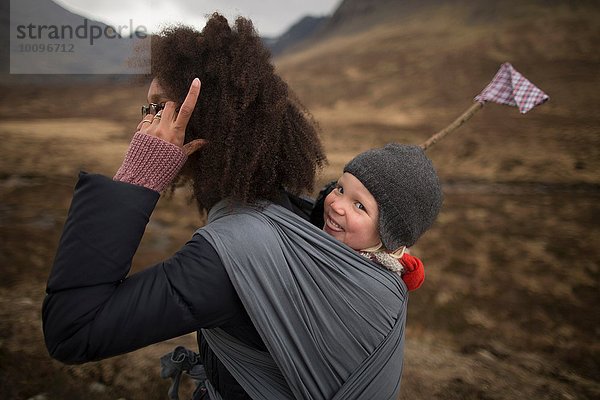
point(405, 79)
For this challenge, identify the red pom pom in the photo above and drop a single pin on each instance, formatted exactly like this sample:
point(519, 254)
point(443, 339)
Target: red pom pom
point(414, 271)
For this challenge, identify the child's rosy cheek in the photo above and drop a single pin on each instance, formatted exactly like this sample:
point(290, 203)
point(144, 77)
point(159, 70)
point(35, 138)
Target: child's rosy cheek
point(329, 199)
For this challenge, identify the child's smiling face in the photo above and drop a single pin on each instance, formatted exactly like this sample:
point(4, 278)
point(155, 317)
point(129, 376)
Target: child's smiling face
point(351, 214)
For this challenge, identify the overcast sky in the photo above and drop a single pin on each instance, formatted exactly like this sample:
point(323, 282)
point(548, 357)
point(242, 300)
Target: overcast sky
point(270, 17)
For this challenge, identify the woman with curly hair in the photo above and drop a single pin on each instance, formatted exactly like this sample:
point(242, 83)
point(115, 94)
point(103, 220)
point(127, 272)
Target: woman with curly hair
point(282, 309)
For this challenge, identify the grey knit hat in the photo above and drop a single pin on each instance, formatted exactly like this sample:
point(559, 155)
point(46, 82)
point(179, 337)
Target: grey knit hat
point(406, 187)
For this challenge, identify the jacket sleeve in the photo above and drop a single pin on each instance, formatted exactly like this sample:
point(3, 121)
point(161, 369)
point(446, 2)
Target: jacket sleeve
point(93, 310)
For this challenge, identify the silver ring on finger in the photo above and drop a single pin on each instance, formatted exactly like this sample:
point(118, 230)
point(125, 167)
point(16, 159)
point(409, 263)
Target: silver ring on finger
point(148, 121)
point(158, 115)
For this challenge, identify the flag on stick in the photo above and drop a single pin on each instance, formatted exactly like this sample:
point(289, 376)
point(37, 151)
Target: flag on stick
point(508, 87)
point(511, 88)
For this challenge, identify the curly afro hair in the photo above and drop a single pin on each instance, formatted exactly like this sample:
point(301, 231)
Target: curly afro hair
point(260, 138)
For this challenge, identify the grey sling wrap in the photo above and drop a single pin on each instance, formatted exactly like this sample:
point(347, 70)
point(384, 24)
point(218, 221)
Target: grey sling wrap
point(333, 321)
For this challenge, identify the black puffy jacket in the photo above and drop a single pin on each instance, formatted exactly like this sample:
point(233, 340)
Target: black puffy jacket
point(94, 310)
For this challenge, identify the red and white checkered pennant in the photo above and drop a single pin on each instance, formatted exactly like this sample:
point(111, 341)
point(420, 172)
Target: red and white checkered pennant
point(511, 88)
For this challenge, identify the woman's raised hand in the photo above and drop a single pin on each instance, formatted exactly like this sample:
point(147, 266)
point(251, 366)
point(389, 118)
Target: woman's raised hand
point(169, 125)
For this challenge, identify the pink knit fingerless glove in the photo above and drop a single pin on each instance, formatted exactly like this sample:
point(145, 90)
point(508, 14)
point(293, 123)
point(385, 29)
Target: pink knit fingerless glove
point(151, 162)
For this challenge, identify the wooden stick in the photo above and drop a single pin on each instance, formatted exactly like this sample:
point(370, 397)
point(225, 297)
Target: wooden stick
point(453, 126)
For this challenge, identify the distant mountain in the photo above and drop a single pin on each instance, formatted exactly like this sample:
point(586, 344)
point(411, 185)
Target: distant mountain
point(299, 32)
point(353, 16)
point(350, 17)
